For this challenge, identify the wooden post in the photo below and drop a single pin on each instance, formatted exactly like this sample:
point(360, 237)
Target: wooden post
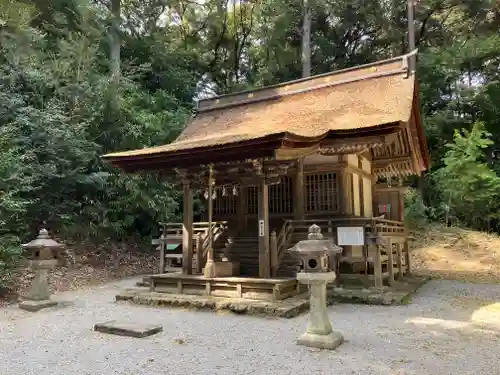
point(390, 262)
point(365, 256)
point(342, 191)
point(263, 226)
point(209, 265)
point(330, 231)
point(399, 261)
point(401, 204)
point(377, 268)
point(163, 245)
point(199, 254)
point(274, 254)
point(406, 250)
point(241, 208)
point(187, 231)
point(299, 192)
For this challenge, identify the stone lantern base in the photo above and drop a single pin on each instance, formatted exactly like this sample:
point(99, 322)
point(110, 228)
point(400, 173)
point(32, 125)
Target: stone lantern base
point(319, 332)
point(38, 296)
point(330, 341)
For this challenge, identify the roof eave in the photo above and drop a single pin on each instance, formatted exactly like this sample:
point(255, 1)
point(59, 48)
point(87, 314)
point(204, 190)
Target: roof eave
point(256, 148)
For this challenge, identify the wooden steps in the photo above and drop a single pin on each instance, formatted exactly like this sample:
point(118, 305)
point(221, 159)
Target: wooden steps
point(245, 250)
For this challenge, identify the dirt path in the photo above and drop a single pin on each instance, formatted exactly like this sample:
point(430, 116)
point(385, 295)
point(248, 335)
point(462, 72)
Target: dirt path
point(458, 254)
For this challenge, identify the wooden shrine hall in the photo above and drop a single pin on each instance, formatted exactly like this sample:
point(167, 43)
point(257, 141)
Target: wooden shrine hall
point(270, 162)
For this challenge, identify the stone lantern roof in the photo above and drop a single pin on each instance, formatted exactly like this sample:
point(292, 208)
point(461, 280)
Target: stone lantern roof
point(42, 241)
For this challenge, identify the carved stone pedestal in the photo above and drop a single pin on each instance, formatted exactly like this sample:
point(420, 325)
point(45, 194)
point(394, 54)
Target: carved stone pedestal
point(319, 332)
point(38, 296)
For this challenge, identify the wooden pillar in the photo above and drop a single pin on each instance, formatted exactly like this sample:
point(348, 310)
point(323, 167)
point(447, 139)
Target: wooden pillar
point(209, 270)
point(199, 254)
point(399, 261)
point(274, 254)
point(241, 208)
point(361, 179)
point(377, 268)
point(187, 231)
point(341, 188)
point(299, 191)
point(401, 204)
point(163, 246)
point(390, 262)
point(263, 224)
point(406, 250)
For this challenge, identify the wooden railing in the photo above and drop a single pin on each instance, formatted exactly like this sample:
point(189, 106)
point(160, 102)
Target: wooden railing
point(373, 226)
point(284, 238)
point(202, 242)
point(279, 243)
point(172, 233)
point(375, 229)
point(218, 228)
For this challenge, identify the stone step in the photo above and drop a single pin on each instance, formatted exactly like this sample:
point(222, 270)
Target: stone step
point(288, 308)
point(131, 329)
point(289, 264)
point(240, 247)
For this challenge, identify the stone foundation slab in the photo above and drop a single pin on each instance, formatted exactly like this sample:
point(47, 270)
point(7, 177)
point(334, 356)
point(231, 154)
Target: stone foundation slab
point(128, 329)
point(34, 306)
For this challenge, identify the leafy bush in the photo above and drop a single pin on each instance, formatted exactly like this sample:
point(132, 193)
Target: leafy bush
point(415, 210)
point(10, 254)
point(468, 184)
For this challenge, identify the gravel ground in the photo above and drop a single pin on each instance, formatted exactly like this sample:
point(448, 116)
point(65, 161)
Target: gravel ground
point(450, 328)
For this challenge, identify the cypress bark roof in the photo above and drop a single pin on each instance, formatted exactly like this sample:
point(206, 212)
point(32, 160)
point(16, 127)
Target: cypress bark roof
point(353, 100)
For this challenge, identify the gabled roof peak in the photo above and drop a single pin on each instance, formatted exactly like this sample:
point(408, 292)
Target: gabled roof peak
point(395, 65)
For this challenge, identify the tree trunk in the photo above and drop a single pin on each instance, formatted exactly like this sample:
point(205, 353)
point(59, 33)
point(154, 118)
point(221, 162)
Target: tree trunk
point(114, 38)
point(306, 39)
point(411, 34)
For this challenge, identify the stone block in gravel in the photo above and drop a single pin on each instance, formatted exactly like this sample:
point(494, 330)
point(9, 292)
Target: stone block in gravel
point(138, 330)
point(285, 309)
point(34, 306)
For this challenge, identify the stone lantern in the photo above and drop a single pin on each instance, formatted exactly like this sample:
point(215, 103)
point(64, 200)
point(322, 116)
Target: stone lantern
point(317, 255)
point(43, 254)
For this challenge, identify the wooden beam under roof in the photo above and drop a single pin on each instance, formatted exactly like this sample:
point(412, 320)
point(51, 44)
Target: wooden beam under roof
point(247, 173)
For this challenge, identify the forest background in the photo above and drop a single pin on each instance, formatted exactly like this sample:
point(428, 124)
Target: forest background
point(81, 78)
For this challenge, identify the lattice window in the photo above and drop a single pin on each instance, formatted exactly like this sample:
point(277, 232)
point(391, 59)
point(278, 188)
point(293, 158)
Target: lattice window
point(225, 205)
point(321, 192)
point(281, 196)
point(253, 200)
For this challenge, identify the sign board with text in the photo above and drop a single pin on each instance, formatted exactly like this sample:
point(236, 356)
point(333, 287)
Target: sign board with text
point(261, 228)
point(351, 236)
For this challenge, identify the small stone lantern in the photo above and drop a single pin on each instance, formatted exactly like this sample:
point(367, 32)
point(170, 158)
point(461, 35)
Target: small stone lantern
point(43, 255)
point(317, 255)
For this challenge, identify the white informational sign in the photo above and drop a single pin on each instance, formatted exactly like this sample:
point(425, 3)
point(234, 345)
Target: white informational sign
point(261, 228)
point(352, 236)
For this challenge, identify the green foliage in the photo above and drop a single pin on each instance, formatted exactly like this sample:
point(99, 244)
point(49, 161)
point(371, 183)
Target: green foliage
point(415, 210)
point(10, 255)
point(61, 109)
point(466, 180)
point(56, 123)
